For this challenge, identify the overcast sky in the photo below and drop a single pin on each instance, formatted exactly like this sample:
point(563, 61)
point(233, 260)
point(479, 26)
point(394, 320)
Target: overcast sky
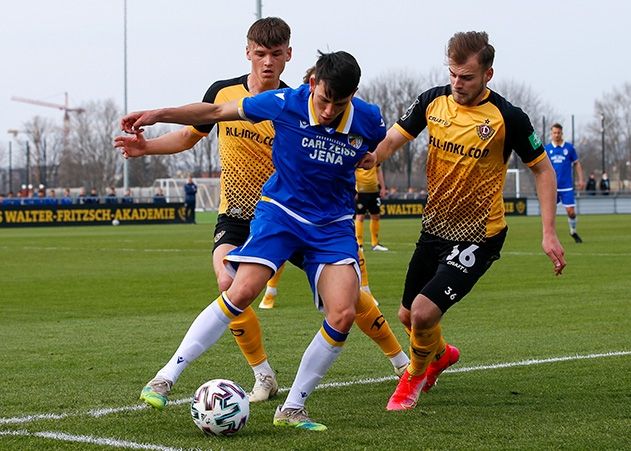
point(569, 52)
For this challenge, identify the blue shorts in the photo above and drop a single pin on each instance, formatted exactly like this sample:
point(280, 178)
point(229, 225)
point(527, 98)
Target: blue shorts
point(566, 198)
point(275, 236)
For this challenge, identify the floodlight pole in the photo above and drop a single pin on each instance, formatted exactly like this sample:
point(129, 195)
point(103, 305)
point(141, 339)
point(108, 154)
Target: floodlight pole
point(602, 140)
point(259, 9)
point(125, 165)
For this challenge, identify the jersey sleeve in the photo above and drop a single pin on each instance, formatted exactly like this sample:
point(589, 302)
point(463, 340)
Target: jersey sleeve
point(378, 129)
point(523, 139)
point(265, 106)
point(414, 120)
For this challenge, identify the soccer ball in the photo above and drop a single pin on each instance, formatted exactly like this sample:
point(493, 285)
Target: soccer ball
point(115, 222)
point(220, 407)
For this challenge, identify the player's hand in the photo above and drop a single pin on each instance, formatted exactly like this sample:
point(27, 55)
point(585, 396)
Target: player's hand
point(131, 146)
point(555, 252)
point(133, 122)
point(368, 161)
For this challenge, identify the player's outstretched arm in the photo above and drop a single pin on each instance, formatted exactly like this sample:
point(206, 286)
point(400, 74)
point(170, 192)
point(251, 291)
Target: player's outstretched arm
point(393, 141)
point(135, 145)
point(545, 180)
point(192, 114)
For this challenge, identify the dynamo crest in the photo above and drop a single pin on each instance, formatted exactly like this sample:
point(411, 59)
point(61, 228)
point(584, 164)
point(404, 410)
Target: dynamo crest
point(485, 131)
point(355, 141)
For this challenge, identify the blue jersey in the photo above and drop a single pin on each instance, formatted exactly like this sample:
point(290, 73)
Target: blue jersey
point(562, 158)
point(315, 165)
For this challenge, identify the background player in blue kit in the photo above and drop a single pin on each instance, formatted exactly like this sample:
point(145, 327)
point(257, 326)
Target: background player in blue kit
point(322, 134)
point(563, 157)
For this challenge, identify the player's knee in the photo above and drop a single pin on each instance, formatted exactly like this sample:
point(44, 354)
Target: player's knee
point(423, 318)
point(404, 317)
point(342, 319)
point(224, 281)
point(243, 294)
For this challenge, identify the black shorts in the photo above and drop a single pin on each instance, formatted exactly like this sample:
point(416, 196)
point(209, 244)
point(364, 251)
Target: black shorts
point(236, 231)
point(368, 202)
point(230, 231)
point(445, 271)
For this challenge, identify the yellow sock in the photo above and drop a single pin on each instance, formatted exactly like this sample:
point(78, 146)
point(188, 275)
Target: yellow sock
point(370, 320)
point(424, 344)
point(374, 231)
point(363, 269)
point(359, 231)
point(246, 330)
point(273, 282)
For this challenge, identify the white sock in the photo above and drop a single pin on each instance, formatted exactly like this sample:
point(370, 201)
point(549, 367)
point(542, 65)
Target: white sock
point(572, 223)
point(316, 361)
point(399, 360)
point(207, 328)
point(264, 368)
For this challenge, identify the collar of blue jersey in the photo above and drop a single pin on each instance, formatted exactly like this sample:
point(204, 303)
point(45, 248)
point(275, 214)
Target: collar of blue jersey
point(345, 122)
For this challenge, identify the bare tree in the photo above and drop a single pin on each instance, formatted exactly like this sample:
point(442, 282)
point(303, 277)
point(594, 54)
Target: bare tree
point(89, 159)
point(46, 143)
point(201, 160)
point(394, 92)
point(613, 122)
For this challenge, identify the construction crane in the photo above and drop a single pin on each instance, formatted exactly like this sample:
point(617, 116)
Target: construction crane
point(65, 108)
point(66, 128)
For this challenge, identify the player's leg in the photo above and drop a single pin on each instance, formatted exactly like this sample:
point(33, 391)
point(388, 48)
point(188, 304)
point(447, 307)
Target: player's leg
point(430, 355)
point(365, 285)
point(359, 229)
point(269, 298)
point(338, 287)
point(374, 208)
point(246, 329)
point(371, 321)
point(569, 202)
point(206, 329)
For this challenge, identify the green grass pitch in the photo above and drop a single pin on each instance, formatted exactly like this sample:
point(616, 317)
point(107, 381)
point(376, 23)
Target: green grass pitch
point(89, 314)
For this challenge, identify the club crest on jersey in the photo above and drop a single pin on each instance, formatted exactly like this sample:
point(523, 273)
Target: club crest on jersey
point(355, 141)
point(485, 131)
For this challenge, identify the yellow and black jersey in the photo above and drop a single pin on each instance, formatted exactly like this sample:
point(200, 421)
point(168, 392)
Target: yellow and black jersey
point(245, 151)
point(467, 159)
point(367, 180)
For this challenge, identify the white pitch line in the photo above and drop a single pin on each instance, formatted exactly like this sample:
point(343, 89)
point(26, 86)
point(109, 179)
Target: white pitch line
point(62, 436)
point(96, 413)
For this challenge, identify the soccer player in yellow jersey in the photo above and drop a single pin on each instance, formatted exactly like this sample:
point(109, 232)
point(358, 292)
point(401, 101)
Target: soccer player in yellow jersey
point(370, 189)
point(472, 132)
point(245, 153)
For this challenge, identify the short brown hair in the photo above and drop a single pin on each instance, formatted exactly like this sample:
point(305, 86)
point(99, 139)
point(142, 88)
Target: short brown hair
point(463, 45)
point(269, 32)
point(557, 125)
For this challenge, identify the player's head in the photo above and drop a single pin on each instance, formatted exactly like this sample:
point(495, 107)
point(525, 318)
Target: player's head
point(470, 59)
point(333, 84)
point(308, 73)
point(556, 133)
point(268, 47)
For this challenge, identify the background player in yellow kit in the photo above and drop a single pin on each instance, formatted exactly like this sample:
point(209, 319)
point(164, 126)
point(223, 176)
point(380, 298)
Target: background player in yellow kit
point(370, 189)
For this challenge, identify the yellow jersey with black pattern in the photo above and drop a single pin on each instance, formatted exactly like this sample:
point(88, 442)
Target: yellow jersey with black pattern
point(245, 151)
point(467, 160)
point(366, 180)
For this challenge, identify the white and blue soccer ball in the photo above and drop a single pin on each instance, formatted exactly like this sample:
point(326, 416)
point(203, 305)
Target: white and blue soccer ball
point(220, 407)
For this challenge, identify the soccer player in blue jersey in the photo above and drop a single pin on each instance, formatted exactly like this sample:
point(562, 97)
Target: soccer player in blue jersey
point(565, 160)
point(322, 133)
